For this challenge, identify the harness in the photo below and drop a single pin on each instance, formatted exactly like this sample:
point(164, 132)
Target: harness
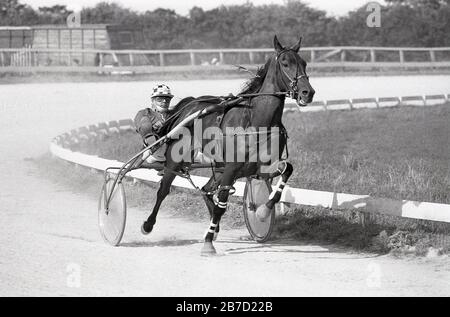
point(293, 82)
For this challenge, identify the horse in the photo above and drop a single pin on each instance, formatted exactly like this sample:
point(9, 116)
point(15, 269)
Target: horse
point(283, 74)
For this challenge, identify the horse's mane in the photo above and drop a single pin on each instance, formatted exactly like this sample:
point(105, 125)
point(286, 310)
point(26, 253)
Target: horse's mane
point(254, 84)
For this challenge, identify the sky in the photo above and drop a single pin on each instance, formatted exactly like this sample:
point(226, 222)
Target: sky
point(332, 7)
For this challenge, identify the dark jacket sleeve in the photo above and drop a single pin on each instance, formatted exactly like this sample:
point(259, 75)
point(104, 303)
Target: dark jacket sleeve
point(147, 121)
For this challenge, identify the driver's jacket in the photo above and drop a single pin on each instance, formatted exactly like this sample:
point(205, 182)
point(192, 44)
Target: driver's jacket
point(148, 121)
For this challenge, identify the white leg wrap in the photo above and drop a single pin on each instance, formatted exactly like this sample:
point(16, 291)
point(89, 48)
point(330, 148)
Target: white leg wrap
point(279, 188)
point(222, 205)
point(212, 229)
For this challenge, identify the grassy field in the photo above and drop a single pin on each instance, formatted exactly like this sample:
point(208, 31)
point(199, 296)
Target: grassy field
point(399, 153)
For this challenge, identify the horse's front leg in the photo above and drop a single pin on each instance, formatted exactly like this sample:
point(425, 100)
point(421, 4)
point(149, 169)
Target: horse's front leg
point(285, 169)
point(228, 178)
point(164, 189)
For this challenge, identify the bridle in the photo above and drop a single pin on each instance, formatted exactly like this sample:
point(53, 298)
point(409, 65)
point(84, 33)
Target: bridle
point(292, 85)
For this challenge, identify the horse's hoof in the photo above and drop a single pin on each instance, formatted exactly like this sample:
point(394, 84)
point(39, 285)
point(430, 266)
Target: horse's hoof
point(263, 212)
point(208, 249)
point(146, 228)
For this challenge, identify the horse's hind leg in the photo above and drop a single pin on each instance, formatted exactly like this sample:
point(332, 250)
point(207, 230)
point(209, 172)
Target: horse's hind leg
point(164, 189)
point(285, 169)
point(210, 187)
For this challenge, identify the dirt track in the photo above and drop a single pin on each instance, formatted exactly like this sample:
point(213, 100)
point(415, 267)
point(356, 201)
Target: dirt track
point(50, 243)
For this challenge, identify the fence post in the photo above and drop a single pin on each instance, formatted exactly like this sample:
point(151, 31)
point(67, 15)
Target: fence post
point(191, 53)
point(222, 59)
point(313, 56)
point(350, 103)
point(377, 102)
point(29, 56)
point(424, 99)
point(343, 55)
point(131, 59)
point(372, 56)
point(325, 105)
point(252, 57)
point(432, 56)
point(2, 58)
point(82, 47)
point(161, 59)
point(402, 56)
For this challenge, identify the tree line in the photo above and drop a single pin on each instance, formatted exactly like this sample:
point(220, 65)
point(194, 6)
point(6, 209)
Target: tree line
point(413, 23)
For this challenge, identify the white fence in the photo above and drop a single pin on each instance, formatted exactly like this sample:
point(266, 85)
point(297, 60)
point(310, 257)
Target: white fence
point(317, 57)
point(379, 102)
point(401, 208)
point(22, 58)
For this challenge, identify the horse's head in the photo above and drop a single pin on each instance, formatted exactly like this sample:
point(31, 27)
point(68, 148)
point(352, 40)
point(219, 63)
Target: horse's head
point(291, 73)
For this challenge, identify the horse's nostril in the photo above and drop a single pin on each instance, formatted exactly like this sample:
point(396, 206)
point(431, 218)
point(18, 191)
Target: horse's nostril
point(305, 92)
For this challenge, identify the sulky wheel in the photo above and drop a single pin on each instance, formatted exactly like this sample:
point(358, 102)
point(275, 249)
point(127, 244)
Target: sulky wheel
point(112, 221)
point(257, 193)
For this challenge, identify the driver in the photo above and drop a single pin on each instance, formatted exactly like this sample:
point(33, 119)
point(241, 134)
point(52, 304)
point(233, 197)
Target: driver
point(149, 121)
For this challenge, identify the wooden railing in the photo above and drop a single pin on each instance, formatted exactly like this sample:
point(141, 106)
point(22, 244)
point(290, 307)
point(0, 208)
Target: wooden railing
point(317, 57)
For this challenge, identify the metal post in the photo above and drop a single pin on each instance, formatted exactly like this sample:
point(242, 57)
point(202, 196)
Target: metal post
point(313, 56)
point(221, 57)
point(2, 58)
point(252, 57)
point(161, 59)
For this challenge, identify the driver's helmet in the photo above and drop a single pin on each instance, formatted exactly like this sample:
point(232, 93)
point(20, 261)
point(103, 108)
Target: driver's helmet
point(161, 96)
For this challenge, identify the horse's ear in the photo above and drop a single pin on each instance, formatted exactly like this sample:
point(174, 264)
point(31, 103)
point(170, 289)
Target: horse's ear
point(277, 45)
point(297, 46)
